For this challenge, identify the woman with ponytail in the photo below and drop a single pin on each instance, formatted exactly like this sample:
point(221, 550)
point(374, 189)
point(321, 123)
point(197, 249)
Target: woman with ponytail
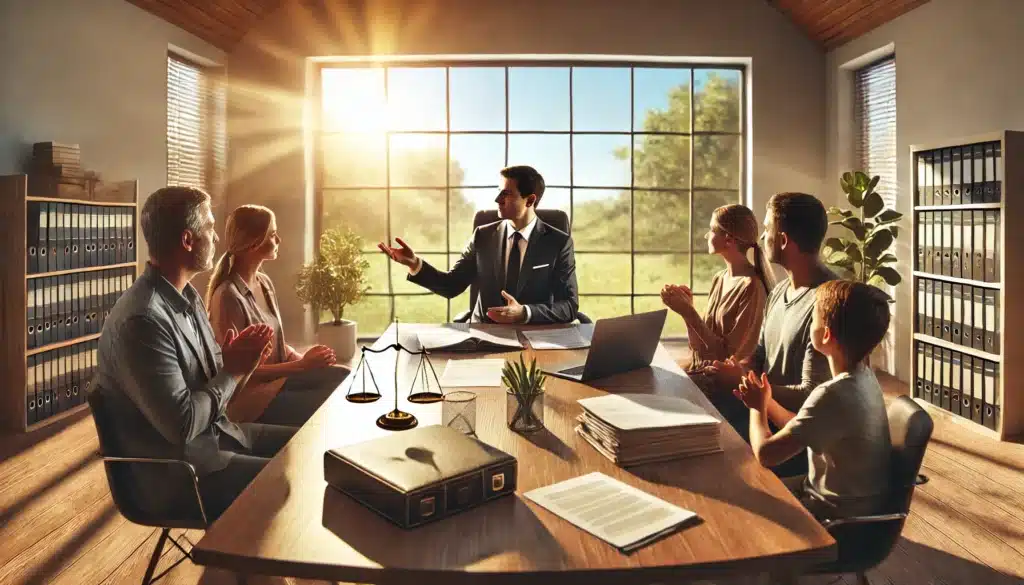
point(732, 323)
point(289, 386)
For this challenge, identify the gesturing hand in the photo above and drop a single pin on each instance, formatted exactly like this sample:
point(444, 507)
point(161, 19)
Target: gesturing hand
point(727, 373)
point(512, 312)
point(242, 352)
point(318, 356)
point(753, 392)
point(403, 254)
point(677, 297)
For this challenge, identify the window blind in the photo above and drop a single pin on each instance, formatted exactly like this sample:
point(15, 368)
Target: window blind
point(875, 111)
point(196, 134)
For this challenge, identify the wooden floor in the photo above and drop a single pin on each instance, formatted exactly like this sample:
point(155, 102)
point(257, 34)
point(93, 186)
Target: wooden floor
point(58, 524)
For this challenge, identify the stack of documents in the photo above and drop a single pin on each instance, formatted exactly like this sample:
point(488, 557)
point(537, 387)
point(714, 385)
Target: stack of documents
point(631, 429)
point(557, 338)
point(463, 337)
point(618, 513)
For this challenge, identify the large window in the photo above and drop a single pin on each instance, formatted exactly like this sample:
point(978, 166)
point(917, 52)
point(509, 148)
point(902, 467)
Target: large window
point(196, 134)
point(638, 155)
point(875, 113)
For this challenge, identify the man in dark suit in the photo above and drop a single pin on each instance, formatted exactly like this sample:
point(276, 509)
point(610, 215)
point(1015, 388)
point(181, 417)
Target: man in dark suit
point(524, 268)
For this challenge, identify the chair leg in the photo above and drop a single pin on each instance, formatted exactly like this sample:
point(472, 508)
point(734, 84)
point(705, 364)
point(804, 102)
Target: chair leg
point(153, 560)
point(862, 579)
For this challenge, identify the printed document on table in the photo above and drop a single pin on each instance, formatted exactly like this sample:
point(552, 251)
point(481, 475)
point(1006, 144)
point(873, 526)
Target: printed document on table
point(472, 373)
point(560, 338)
point(620, 514)
point(463, 337)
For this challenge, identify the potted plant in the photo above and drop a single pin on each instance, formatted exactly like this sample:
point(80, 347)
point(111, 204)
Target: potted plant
point(335, 279)
point(524, 403)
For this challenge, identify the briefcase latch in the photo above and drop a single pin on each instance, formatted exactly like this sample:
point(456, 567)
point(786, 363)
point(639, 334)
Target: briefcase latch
point(497, 482)
point(427, 507)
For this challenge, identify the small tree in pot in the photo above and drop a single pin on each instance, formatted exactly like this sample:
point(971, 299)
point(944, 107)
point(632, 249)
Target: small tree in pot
point(334, 280)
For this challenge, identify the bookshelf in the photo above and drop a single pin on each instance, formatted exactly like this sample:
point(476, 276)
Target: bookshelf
point(967, 345)
point(68, 261)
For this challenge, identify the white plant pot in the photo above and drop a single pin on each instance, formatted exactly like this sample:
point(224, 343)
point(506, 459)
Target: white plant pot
point(341, 338)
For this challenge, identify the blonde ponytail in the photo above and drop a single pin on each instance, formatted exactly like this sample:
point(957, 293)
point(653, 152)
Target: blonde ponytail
point(221, 270)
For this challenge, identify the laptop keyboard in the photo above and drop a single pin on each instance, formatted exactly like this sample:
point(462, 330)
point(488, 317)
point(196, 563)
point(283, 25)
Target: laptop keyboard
point(577, 371)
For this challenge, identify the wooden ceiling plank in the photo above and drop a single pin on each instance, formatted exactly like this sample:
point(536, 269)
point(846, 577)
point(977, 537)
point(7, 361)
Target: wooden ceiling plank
point(892, 11)
point(868, 12)
point(211, 35)
point(240, 11)
point(813, 13)
point(203, 10)
point(845, 13)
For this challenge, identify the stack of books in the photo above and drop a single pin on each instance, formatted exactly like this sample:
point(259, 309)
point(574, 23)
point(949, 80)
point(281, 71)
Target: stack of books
point(633, 429)
point(56, 171)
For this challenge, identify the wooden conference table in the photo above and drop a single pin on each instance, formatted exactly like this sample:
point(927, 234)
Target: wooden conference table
point(288, 522)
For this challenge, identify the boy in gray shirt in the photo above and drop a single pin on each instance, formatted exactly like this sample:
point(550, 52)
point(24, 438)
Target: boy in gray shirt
point(843, 424)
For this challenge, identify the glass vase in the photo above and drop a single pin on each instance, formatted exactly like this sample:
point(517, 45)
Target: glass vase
point(524, 414)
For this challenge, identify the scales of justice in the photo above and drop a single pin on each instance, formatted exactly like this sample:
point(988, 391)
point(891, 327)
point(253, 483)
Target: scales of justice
point(419, 390)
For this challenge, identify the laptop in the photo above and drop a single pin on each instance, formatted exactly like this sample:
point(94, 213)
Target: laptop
point(619, 344)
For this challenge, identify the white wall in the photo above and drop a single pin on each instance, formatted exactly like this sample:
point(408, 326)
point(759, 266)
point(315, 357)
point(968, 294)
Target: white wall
point(91, 72)
point(958, 73)
point(269, 73)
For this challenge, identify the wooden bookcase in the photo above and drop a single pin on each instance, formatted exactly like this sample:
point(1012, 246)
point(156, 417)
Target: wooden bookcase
point(97, 261)
point(968, 344)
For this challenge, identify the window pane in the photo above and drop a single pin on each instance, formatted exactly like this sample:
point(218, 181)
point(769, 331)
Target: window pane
point(600, 220)
point(362, 211)
point(716, 102)
point(705, 266)
point(558, 198)
point(603, 273)
point(417, 98)
point(354, 160)
point(716, 162)
point(674, 324)
point(604, 307)
point(538, 98)
point(398, 273)
point(372, 315)
point(463, 205)
point(421, 309)
point(611, 112)
point(418, 160)
point(477, 98)
point(419, 217)
point(477, 160)
point(547, 153)
point(601, 160)
point(654, 271)
point(661, 162)
point(353, 99)
point(377, 272)
point(661, 100)
point(704, 204)
point(661, 220)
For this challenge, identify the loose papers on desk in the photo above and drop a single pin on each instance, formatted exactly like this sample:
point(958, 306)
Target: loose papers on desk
point(557, 338)
point(618, 513)
point(472, 373)
point(462, 337)
point(632, 429)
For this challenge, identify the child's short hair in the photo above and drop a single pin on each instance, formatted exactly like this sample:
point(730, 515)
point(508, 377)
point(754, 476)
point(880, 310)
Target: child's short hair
point(857, 314)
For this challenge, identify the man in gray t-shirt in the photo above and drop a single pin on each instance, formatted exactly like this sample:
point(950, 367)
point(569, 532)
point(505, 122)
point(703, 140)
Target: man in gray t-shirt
point(795, 226)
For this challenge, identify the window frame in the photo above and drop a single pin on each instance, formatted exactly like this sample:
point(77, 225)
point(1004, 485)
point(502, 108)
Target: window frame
point(692, 65)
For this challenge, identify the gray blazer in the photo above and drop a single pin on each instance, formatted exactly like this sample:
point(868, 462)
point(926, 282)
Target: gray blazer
point(162, 377)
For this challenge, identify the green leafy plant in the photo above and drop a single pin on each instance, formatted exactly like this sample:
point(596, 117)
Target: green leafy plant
point(525, 384)
point(337, 277)
point(865, 257)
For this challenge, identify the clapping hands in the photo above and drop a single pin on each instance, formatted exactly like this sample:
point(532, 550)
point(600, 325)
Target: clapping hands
point(754, 393)
point(677, 297)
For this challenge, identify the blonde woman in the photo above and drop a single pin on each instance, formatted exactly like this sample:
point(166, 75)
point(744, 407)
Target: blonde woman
point(289, 386)
point(732, 323)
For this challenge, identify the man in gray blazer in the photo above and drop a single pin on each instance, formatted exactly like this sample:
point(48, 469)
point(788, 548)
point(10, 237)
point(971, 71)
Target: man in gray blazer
point(525, 269)
point(165, 379)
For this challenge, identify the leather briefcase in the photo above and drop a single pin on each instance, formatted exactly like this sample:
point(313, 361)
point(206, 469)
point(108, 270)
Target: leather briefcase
point(421, 475)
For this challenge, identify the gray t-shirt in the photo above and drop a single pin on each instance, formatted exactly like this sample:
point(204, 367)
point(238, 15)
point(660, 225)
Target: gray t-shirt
point(846, 430)
point(785, 351)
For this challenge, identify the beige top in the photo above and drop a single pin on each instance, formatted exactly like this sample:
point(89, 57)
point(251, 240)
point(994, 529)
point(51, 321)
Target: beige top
point(734, 315)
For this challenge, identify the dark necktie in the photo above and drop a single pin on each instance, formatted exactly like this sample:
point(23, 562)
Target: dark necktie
point(512, 268)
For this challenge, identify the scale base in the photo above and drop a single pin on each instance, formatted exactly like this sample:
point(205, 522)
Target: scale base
point(396, 420)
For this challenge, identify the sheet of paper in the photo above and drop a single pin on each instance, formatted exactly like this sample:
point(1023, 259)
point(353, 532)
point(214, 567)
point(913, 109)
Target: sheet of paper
point(472, 373)
point(450, 334)
point(436, 337)
point(559, 338)
point(620, 514)
point(630, 411)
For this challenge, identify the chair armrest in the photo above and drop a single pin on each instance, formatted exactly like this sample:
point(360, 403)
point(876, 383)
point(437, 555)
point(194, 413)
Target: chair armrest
point(864, 520)
point(188, 466)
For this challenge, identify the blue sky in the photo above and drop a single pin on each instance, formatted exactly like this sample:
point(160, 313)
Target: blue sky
point(538, 100)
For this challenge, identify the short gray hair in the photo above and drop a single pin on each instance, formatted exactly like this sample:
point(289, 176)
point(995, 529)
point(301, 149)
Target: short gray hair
point(167, 213)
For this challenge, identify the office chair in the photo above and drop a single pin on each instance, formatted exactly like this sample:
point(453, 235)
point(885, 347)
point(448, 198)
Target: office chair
point(866, 541)
point(117, 470)
point(556, 218)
